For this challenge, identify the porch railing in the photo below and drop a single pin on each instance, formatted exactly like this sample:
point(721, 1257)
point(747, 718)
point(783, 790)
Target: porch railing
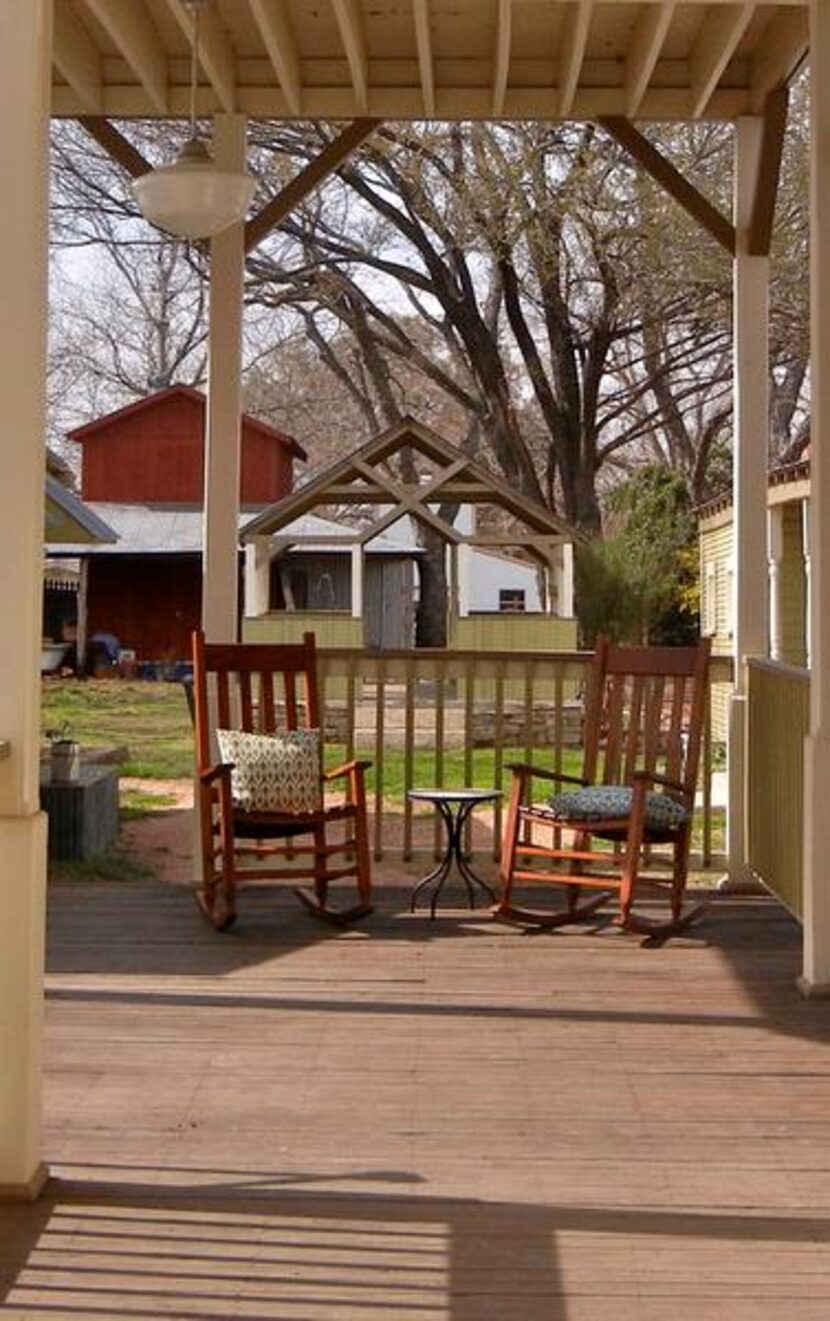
point(449, 718)
point(779, 702)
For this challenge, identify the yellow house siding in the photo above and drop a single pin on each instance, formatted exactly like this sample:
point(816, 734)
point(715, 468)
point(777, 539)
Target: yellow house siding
point(716, 551)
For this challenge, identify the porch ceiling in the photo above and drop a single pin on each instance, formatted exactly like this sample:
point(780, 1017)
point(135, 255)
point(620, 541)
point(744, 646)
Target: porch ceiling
point(415, 59)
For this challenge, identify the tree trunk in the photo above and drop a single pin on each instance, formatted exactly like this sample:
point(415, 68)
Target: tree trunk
point(431, 617)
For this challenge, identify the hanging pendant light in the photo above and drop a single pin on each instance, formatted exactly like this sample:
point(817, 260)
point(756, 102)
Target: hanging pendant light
point(193, 198)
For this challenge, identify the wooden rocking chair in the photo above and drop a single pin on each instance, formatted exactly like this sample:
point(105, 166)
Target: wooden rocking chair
point(644, 717)
point(244, 690)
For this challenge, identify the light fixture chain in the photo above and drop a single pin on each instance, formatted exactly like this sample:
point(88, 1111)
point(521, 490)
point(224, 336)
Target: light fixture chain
point(194, 6)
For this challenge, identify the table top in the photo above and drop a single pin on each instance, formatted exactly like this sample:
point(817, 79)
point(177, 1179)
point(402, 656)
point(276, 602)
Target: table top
point(455, 795)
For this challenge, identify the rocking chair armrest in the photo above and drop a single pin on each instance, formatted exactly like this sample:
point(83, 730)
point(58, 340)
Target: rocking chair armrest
point(347, 768)
point(525, 769)
point(220, 771)
point(665, 781)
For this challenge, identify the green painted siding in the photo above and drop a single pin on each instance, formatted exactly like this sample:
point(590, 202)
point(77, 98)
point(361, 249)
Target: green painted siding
point(505, 631)
point(332, 628)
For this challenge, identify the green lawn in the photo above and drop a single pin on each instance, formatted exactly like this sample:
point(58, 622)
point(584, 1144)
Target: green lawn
point(151, 720)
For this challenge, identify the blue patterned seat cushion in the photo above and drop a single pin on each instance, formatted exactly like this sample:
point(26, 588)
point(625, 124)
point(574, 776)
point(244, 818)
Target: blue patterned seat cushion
point(609, 802)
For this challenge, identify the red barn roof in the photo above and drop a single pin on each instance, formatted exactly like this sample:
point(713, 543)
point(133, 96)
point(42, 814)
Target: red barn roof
point(160, 397)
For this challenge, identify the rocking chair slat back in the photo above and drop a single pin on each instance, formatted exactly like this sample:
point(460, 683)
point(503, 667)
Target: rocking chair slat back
point(650, 714)
point(257, 689)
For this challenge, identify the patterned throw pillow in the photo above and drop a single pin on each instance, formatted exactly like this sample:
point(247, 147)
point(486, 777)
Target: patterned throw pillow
point(274, 772)
point(608, 802)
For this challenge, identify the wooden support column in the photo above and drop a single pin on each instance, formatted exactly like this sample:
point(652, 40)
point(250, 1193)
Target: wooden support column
point(566, 581)
point(25, 70)
point(257, 577)
point(816, 971)
point(751, 447)
point(220, 555)
point(358, 565)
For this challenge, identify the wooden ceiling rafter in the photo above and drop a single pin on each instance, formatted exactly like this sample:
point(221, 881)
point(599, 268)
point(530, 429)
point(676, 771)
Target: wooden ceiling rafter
point(347, 13)
point(426, 60)
point(216, 56)
point(131, 31)
point(78, 59)
point(645, 52)
point(409, 59)
point(716, 44)
point(271, 18)
point(572, 55)
point(501, 55)
point(781, 56)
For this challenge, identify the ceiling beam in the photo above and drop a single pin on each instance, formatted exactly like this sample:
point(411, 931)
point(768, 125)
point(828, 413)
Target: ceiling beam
point(215, 51)
point(115, 145)
point(130, 29)
point(274, 28)
point(423, 42)
point(720, 33)
point(347, 14)
point(501, 55)
point(578, 22)
point(670, 178)
point(646, 46)
point(785, 47)
point(759, 238)
point(77, 58)
point(309, 178)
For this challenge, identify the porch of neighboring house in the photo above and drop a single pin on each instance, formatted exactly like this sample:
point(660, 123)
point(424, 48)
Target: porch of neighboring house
point(442, 1119)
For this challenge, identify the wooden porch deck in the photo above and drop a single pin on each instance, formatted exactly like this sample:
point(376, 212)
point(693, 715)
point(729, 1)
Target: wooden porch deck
point(445, 1120)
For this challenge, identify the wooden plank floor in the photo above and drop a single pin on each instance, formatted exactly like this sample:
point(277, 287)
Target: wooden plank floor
point(446, 1121)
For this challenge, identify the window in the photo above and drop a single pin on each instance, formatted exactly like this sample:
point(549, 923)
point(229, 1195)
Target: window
point(512, 600)
point(710, 601)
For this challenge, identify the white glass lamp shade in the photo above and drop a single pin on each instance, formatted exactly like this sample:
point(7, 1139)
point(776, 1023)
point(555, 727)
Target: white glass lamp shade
point(193, 198)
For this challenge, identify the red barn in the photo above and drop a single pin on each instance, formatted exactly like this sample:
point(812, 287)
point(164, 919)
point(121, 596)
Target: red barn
point(144, 465)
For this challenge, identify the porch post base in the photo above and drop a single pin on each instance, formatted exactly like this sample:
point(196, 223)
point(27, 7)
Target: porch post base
point(26, 1192)
point(812, 990)
point(742, 881)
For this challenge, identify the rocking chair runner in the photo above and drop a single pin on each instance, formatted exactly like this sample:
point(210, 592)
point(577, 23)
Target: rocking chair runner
point(642, 734)
point(263, 689)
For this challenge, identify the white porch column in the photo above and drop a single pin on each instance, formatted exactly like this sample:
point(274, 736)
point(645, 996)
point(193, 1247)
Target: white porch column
point(257, 577)
point(775, 542)
point(25, 55)
point(357, 579)
point(220, 563)
point(816, 979)
point(566, 581)
point(751, 430)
